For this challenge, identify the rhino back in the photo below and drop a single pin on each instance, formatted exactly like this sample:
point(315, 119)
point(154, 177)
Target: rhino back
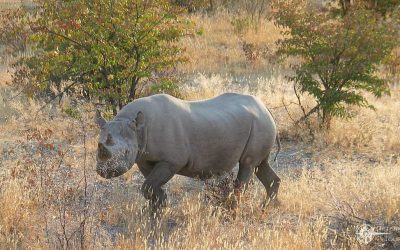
point(207, 136)
point(224, 127)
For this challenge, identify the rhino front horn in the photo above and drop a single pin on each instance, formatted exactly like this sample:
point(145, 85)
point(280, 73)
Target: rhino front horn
point(104, 153)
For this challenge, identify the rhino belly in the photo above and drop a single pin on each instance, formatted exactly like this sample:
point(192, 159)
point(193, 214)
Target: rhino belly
point(215, 161)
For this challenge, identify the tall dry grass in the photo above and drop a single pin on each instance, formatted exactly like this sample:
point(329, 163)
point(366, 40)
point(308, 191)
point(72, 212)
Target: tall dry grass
point(321, 202)
point(350, 176)
point(219, 48)
point(320, 209)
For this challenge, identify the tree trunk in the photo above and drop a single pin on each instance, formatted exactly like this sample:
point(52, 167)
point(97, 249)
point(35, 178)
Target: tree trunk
point(113, 105)
point(132, 90)
point(305, 117)
point(345, 5)
point(120, 102)
point(326, 120)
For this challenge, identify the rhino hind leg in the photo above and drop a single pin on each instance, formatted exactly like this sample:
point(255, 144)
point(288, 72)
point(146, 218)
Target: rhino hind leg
point(152, 186)
point(246, 170)
point(270, 180)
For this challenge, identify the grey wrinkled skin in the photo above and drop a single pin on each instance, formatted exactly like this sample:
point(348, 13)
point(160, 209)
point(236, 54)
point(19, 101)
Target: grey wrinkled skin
point(167, 136)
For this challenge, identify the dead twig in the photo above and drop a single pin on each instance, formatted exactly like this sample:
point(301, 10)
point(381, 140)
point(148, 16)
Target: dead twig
point(287, 111)
point(305, 115)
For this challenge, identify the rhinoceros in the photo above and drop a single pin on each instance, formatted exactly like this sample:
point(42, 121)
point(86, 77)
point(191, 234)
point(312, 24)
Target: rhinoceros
point(166, 136)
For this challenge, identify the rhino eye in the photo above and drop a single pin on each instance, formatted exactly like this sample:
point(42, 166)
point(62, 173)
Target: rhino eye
point(109, 139)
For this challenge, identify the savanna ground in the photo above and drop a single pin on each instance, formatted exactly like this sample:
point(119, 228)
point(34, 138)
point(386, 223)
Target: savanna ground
point(342, 181)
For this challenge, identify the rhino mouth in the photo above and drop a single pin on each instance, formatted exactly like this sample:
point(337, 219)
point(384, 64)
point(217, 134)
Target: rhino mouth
point(109, 174)
point(109, 169)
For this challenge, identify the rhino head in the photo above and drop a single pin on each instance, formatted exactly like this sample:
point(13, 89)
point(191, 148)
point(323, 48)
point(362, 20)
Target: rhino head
point(118, 145)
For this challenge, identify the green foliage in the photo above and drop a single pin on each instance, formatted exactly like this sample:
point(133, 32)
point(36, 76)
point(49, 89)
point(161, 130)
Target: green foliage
point(200, 31)
point(383, 7)
point(14, 32)
point(103, 48)
point(72, 112)
point(167, 86)
point(240, 25)
point(338, 56)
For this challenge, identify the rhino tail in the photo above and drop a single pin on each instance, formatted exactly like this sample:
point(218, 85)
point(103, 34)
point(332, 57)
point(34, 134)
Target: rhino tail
point(277, 139)
point(278, 143)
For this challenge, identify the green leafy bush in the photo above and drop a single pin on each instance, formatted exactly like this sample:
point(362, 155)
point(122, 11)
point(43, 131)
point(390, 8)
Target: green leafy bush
point(338, 56)
point(102, 49)
point(381, 6)
point(72, 112)
point(167, 86)
point(14, 33)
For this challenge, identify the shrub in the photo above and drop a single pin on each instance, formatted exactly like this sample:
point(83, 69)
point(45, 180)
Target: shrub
point(338, 56)
point(14, 33)
point(381, 6)
point(101, 48)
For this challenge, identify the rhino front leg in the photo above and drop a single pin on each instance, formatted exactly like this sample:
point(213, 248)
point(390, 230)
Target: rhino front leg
point(160, 174)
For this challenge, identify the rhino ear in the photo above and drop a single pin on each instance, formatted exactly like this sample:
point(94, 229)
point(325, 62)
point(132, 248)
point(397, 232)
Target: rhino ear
point(138, 122)
point(99, 119)
point(141, 131)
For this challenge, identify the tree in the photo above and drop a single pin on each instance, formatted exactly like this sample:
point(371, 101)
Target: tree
point(338, 56)
point(102, 48)
point(14, 32)
point(381, 6)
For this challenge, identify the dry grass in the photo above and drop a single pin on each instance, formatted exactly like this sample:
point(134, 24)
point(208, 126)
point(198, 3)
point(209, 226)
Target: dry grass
point(375, 132)
point(17, 215)
point(4, 77)
point(320, 201)
point(349, 177)
point(312, 214)
point(220, 49)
